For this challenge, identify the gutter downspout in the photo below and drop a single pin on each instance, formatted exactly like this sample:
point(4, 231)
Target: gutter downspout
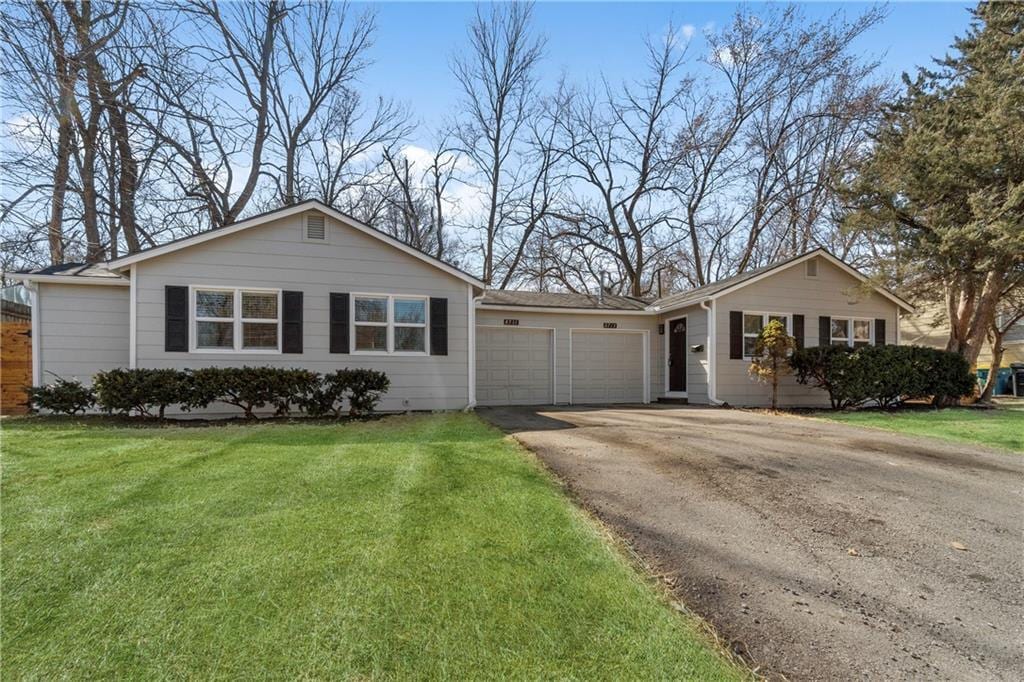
point(471, 379)
point(712, 350)
point(37, 360)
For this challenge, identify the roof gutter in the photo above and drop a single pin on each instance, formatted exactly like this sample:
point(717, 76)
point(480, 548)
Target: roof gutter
point(67, 279)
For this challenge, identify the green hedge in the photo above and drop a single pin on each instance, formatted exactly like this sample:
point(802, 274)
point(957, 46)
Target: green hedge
point(62, 397)
point(148, 392)
point(884, 375)
point(142, 391)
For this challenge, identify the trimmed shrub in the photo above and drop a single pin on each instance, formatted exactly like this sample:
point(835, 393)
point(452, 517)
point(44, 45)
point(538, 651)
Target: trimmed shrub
point(885, 375)
point(247, 388)
point(893, 375)
point(253, 388)
point(949, 377)
point(366, 388)
point(292, 387)
point(328, 398)
point(148, 392)
point(62, 397)
point(363, 388)
point(141, 390)
point(829, 368)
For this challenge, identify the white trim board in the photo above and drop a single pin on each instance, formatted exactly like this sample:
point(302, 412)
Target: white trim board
point(37, 333)
point(471, 345)
point(311, 204)
point(133, 312)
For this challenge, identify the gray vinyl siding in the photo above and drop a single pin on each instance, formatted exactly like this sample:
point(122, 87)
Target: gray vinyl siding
point(275, 255)
point(83, 329)
point(833, 293)
point(696, 363)
point(563, 322)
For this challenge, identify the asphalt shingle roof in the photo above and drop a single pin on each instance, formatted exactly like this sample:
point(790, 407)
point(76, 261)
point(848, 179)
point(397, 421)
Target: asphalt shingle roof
point(543, 299)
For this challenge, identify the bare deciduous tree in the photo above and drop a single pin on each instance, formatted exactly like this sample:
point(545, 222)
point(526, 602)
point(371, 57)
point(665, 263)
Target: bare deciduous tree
point(321, 49)
point(497, 75)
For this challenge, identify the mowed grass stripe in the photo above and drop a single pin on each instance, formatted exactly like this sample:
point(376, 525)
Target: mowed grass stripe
point(419, 547)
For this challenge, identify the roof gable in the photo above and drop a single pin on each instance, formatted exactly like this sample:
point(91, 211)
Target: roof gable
point(305, 206)
point(730, 284)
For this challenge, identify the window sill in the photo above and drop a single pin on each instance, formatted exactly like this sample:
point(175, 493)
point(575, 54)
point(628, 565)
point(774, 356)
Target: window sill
point(384, 353)
point(232, 351)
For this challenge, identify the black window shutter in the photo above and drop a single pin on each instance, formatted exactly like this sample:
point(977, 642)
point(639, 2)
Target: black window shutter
point(439, 326)
point(339, 323)
point(291, 322)
point(824, 331)
point(176, 319)
point(879, 332)
point(735, 334)
point(798, 331)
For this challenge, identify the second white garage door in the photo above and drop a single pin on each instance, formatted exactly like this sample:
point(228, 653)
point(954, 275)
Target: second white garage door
point(514, 366)
point(607, 367)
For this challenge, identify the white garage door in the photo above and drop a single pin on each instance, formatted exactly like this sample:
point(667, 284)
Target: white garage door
point(513, 366)
point(607, 367)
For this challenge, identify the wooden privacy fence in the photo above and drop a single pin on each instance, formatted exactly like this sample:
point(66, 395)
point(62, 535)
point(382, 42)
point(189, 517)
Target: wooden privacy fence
point(15, 366)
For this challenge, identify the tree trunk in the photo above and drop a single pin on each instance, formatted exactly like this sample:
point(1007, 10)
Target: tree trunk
point(971, 317)
point(55, 229)
point(995, 339)
point(89, 137)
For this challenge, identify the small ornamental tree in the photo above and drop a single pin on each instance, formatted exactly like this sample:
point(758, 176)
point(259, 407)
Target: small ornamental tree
point(771, 356)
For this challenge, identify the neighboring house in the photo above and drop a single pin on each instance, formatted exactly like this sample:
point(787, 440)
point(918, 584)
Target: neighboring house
point(307, 286)
point(929, 326)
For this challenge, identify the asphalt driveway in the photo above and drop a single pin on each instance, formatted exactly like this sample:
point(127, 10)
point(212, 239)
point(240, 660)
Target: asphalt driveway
point(819, 550)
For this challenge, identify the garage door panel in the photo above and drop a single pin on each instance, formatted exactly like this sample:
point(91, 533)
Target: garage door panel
point(607, 367)
point(514, 366)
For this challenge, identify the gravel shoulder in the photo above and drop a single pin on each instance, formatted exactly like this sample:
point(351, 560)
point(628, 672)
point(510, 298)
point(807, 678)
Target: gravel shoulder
point(819, 550)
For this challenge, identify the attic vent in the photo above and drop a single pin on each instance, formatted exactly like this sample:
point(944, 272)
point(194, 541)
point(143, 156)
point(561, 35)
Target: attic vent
point(812, 267)
point(315, 229)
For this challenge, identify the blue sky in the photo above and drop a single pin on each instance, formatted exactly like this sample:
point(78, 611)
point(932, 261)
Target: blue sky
point(415, 42)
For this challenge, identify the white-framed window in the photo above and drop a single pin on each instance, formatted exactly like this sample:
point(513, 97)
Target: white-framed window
point(753, 323)
point(852, 331)
point(385, 323)
point(226, 319)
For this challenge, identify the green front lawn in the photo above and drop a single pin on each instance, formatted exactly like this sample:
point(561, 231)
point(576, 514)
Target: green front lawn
point(411, 547)
point(1002, 427)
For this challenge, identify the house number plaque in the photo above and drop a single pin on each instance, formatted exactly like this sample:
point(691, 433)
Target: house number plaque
point(611, 325)
point(511, 322)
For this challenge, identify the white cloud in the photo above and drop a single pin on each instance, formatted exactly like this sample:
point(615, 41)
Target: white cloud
point(28, 129)
point(723, 55)
point(420, 157)
point(681, 36)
